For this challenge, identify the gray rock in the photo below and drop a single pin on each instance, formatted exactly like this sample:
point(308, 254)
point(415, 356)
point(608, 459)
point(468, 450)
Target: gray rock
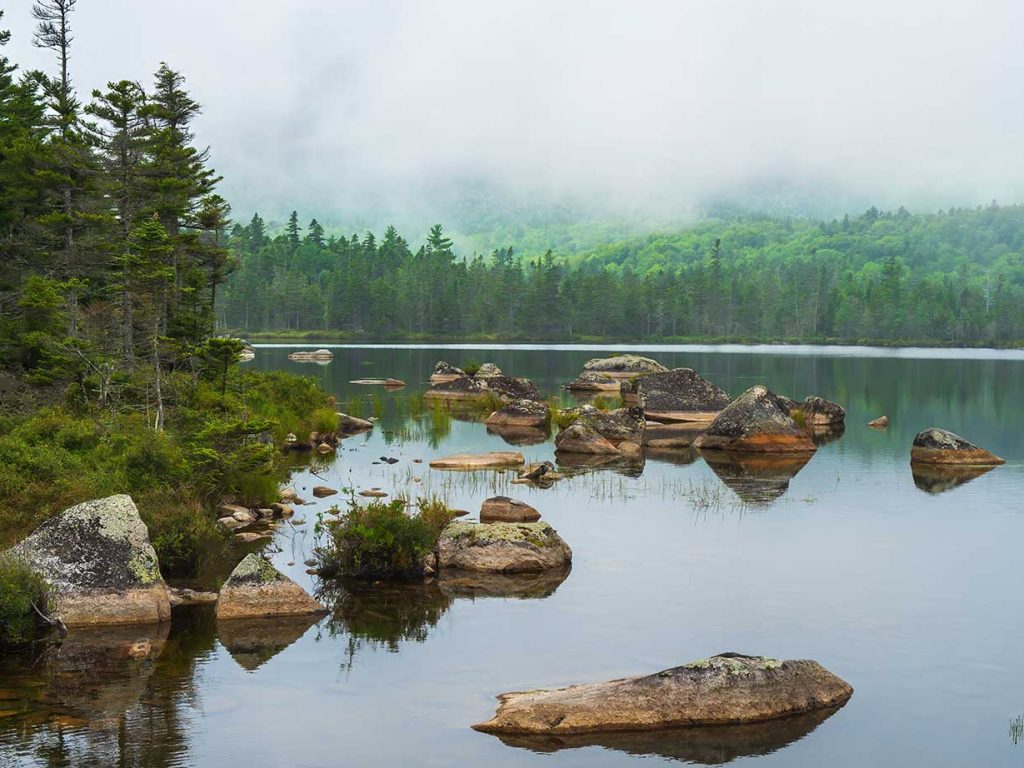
point(821, 412)
point(502, 547)
point(256, 588)
point(940, 446)
point(677, 395)
point(756, 421)
point(624, 366)
point(520, 413)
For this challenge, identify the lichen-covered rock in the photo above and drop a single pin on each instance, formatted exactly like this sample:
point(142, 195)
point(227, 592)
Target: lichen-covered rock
point(756, 421)
point(492, 460)
point(520, 413)
point(821, 412)
point(100, 565)
point(940, 446)
point(502, 547)
point(623, 366)
point(256, 588)
point(722, 690)
point(579, 438)
point(677, 395)
point(502, 509)
point(487, 370)
point(594, 381)
point(444, 372)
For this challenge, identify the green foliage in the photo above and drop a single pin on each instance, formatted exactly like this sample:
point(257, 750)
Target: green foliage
point(380, 540)
point(20, 588)
point(471, 367)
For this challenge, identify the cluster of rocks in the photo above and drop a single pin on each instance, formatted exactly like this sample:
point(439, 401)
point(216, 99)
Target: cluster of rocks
point(504, 388)
point(327, 442)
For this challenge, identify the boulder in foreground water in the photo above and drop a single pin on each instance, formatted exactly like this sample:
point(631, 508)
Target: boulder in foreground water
point(502, 547)
point(727, 689)
point(940, 446)
point(100, 565)
point(757, 421)
point(882, 422)
point(256, 588)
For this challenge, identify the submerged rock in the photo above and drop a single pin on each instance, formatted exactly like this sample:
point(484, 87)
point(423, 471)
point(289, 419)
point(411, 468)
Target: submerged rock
point(819, 412)
point(940, 446)
point(502, 509)
point(521, 413)
point(623, 366)
point(492, 460)
point(100, 565)
point(727, 689)
point(677, 395)
point(256, 588)
point(502, 547)
point(594, 381)
point(756, 421)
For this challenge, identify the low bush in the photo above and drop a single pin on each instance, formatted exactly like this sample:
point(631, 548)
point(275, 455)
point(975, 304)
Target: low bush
point(20, 588)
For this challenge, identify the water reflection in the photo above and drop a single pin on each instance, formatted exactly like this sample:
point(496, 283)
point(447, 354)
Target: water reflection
point(520, 435)
point(703, 746)
point(755, 478)
point(935, 478)
point(523, 586)
point(254, 642)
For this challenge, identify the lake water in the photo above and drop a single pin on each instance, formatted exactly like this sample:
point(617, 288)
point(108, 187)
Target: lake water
point(912, 594)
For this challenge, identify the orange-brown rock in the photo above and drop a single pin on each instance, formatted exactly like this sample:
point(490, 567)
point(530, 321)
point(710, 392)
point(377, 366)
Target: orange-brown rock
point(756, 421)
point(940, 446)
point(502, 509)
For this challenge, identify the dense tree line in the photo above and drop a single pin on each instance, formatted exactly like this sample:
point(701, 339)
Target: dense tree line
point(111, 236)
point(952, 277)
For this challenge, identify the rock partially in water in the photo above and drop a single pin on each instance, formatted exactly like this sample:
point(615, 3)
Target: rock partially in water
point(819, 412)
point(940, 446)
point(521, 413)
point(254, 642)
point(445, 372)
point(502, 547)
point(728, 689)
point(504, 388)
point(594, 381)
point(579, 438)
point(492, 460)
point(352, 424)
point(256, 588)
point(100, 565)
point(316, 356)
point(757, 478)
point(595, 430)
point(502, 509)
point(322, 491)
point(695, 745)
point(623, 366)
point(677, 395)
point(756, 421)
point(882, 422)
point(939, 478)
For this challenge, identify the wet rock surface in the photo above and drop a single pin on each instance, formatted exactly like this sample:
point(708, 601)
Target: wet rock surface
point(940, 446)
point(756, 421)
point(100, 564)
point(727, 689)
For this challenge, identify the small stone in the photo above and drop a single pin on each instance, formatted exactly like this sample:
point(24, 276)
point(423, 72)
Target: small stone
point(325, 448)
point(502, 509)
point(373, 493)
point(322, 491)
point(882, 422)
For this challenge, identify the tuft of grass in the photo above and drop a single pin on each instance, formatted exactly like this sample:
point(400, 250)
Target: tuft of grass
point(20, 589)
point(471, 367)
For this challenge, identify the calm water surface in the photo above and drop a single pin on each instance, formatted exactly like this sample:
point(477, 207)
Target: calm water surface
point(907, 588)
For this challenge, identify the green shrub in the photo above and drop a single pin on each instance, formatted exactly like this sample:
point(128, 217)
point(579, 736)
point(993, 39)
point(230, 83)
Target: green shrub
point(565, 418)
point(19, 589)
point(471, 367)
point(380, 540)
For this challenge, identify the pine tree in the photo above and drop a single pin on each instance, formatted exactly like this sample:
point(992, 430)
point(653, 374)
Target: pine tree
point(292, 231)
point(315, 234)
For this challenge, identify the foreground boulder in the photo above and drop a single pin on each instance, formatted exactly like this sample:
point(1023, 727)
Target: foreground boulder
point(502, 509)
point(594, 381)
point(623, 366)
point(256, 588)
point(756, 421)
point(677, 395)
point(502, 547)
point(819, 412)
point(521, 413)
point(100, 565)
point(445, 372)
point(493, 460)
point(940, 446)
point(726, 689)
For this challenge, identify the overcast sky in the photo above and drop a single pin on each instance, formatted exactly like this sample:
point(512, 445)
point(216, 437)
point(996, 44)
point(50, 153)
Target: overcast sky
point(338, 107)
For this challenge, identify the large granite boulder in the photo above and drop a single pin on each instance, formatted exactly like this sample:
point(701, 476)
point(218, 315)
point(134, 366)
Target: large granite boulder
point(502, 547)
point(677, 395)
point(256, 588)
point(594, 381)
point(521, 413)
point(99, 563)
point(940, 446)
point(727, 689)
point(623, 366)
point(819, 412)
point(756, 421)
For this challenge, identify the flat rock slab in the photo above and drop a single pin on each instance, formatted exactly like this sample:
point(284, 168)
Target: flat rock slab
point(100, 565)
point(728, 689)
point(757, 421)
point(502, 509)
point(256, 588)
point(502, 547)
point(493, 460)
point(940, 446)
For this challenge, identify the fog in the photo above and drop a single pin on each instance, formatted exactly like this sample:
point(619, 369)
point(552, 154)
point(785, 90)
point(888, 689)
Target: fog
point(359, 112)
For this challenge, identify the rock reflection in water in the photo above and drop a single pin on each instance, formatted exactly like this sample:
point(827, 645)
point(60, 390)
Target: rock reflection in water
point(253, 642)
point(755, 478)
point(525, 586)
point(714, 745)
point(936, 478)
point(823, 435)
point(630, 466)
point(520, 435)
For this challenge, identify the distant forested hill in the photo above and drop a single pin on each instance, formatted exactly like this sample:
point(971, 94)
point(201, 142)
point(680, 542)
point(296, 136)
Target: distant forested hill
point(952, 277)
